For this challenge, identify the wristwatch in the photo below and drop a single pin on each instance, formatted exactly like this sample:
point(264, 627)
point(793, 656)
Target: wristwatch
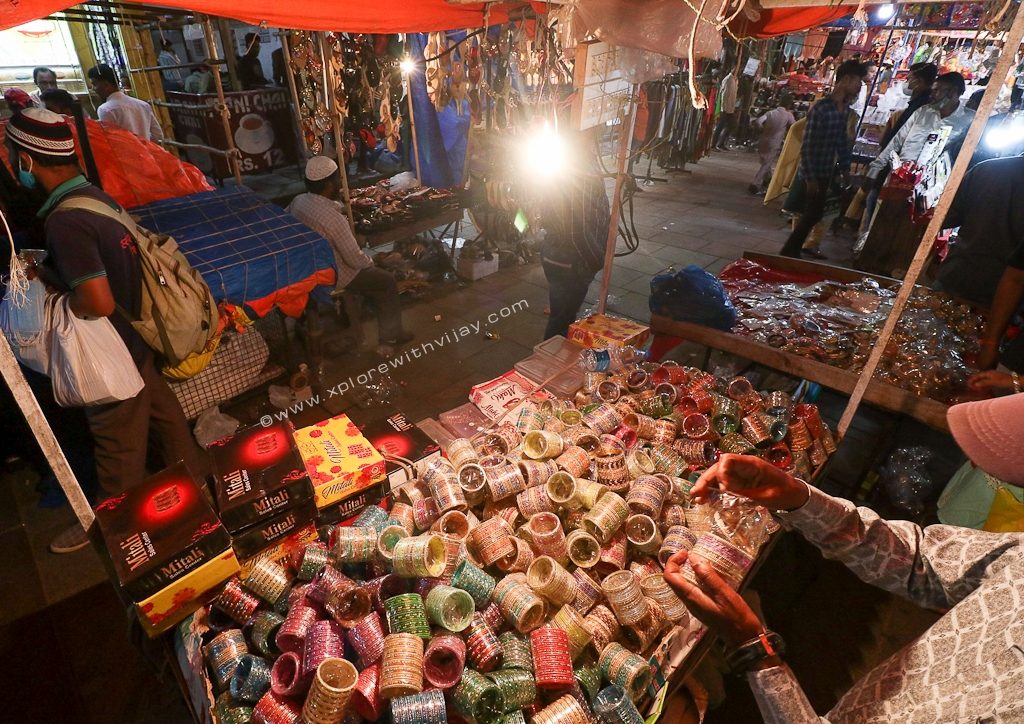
point(751, 653)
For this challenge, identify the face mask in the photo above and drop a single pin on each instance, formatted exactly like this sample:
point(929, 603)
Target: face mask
point(27, 178)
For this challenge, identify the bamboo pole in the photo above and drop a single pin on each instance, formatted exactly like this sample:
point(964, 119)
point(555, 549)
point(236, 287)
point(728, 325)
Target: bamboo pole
point(330, 79)
point(29, 406)
point(988, 101)
point(412, 127)
point(225, 113)
point(290, 75)
point(227, 40)
point(626, 132)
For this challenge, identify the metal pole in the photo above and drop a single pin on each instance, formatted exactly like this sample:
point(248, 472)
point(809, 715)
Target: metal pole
point(286, 50)
point(29, 406)
point(225, 114)
point(339, 126)
point(613, 224)
point(988, 102)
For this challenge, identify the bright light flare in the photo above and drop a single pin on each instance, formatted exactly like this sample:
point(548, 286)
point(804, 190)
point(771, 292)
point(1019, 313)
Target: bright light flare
point(545, 153)
point(886, 11)
point(408, 65)
point(1005, 135)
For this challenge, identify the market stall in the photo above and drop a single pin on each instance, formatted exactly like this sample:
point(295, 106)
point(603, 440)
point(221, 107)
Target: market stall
point(818, 322)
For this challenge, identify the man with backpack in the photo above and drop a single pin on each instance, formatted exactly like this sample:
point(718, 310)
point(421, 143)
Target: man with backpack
point(95, 260)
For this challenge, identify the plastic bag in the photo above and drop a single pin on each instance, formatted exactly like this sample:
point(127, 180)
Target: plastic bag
point(213, 425)
point(26, 327)
point(403, 182)
point(89, 364)
point(692, 295)
point(906, 479)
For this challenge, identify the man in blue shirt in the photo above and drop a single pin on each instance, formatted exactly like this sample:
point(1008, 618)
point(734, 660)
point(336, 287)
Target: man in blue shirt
point(826, 150)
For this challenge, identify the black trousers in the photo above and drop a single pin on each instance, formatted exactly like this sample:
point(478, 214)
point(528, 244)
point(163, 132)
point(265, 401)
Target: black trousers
point(567, 290)
point(814, 210)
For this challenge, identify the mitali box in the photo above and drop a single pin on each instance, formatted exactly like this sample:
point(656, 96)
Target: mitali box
point(269, 532)
point(397, 437)
point(160, 531)
point(257, 474)
point(339, 460)
point(602, 330)
point(172, 604)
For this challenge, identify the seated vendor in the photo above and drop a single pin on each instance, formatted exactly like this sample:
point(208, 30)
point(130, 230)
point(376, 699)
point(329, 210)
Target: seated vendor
point(320, 210)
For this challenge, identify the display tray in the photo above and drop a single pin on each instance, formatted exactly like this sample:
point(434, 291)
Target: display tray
point(411, 228)
point(880, 394)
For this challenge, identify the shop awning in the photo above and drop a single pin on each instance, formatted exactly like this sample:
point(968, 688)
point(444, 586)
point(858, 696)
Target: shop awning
point(781, 21)
point(351, 16)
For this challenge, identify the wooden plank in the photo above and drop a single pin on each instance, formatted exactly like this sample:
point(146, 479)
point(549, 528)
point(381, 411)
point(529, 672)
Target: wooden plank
point(881, 394)
point(411, 229)
point(806, 266)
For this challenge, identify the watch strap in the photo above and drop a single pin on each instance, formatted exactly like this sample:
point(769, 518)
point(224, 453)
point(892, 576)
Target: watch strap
point(751, 653)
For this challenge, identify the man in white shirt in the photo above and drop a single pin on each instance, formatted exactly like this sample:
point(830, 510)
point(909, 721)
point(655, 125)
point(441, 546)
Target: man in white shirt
point(319, 209)
point(944, 110)
point(774, 126)
point(730, 87)
point(45, 79)
point(122, 110)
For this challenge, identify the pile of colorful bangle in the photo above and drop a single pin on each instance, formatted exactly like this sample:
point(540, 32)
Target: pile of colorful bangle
point(537, 596)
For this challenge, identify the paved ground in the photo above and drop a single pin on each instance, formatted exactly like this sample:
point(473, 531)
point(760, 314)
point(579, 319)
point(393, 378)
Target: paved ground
point(59, 608)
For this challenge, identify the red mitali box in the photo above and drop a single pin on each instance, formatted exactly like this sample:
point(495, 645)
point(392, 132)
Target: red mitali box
point(395, 436)
point(266, 533)
point(159, 531)
point(257, 474)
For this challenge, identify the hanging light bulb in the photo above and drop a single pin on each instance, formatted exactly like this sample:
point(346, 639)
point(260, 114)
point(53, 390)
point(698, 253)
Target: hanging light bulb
point(886, 11)
point(407, 65)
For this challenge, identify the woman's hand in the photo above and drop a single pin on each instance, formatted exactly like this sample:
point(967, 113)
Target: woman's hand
point(754, 478)
point(712, 601)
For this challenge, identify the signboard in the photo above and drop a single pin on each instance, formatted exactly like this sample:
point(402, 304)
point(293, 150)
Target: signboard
point(602, 92)
point(261, 126)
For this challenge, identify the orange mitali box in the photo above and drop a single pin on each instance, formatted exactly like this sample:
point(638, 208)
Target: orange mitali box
point(170, 605)
point(339, 460)
point(602, 330)
point(282, 549)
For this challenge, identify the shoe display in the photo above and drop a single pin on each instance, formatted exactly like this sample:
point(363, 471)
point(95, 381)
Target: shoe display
point(71, 540)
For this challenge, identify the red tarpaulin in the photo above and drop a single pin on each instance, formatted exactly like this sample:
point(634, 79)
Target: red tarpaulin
point(350, 16)
point(780, 21)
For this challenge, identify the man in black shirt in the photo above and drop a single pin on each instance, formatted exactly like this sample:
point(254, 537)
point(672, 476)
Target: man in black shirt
point(94, 259)
point(250, 70)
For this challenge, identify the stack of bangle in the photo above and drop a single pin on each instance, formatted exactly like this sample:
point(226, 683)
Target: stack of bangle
point(444, 661)
point(366, 700)
point(427, 707)
point(251, 679)
point(477, 697)
point(482, 646)
point(367, 638)
point(401, 671)
point(332, 687)
point(515, 651)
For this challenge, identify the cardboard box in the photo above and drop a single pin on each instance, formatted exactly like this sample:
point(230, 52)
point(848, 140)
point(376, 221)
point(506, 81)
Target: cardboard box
point(266, 533)
point(502, 397)
point(173, 604)
point(346, 511)
point(602, 330)
point(279, 551)
point(160, 531)
point(473, 269)
point(339, 460)
point(396, 436)
point(257, 474)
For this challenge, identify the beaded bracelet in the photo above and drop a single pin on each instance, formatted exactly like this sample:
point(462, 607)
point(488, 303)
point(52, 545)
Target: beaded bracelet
point(401, 670)
point(422, 556)
point(606, 516)
point(427, 707)
point(623, 667)
point(574, 460)
point(667, 460)
point(352, 544)
point(728, 560)
point(552, 659)
point(624, 596)
point(515, 652)
point(548, 578)
point(477, 697)
point(482, 647)
point(373, 516)
point(504, 480)
point(366, 701)
point(566, 710)
point(236, 602)
point(613, 705)
point(406, 614)
point(584, 549)
point(450, 608)
point(478, 583)
point(444, 661)
point(519, 605)
point(275, 709)
point(529, 419)
point(329, 694)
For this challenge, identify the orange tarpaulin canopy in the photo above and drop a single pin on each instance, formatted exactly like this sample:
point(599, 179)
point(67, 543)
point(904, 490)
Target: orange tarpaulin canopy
point(781, 21)
point(350, 16)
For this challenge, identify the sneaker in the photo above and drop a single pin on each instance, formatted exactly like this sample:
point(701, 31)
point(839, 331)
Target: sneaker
point(73, 539)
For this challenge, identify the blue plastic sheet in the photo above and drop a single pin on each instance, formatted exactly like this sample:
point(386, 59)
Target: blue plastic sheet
point(692, 295)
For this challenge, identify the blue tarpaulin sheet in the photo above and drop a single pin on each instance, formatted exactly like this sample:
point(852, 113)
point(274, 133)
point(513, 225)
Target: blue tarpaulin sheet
point(246, 248)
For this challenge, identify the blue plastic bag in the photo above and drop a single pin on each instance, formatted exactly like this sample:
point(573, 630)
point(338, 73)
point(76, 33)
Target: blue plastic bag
point(692, 295)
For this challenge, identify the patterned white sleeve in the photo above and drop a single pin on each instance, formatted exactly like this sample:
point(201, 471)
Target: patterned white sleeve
point(936, 566)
